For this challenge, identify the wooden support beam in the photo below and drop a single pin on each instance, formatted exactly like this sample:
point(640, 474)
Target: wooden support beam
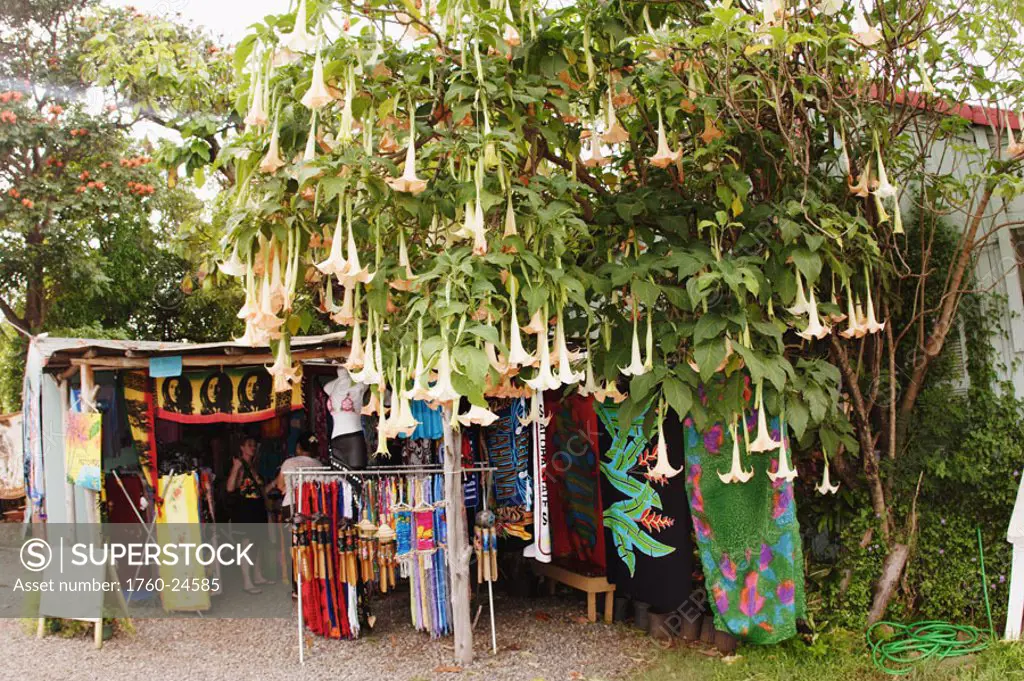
point(459, 548)
point(210, 360)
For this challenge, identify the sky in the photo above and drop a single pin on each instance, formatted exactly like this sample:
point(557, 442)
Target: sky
point(228, 18)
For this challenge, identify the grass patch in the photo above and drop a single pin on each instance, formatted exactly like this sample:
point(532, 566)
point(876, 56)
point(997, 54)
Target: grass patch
point(838, 656)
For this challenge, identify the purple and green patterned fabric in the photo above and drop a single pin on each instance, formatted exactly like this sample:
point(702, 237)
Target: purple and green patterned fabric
point(747, 536)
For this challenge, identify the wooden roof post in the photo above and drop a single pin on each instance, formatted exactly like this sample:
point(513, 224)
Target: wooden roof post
point(458, 541)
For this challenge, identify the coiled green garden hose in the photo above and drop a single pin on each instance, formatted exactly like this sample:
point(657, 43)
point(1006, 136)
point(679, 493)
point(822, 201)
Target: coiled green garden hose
point(912, 644)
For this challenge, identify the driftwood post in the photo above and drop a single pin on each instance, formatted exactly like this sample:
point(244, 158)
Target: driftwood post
point(458, 544)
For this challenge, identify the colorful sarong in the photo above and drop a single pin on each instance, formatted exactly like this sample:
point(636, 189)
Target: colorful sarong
point(748, 537)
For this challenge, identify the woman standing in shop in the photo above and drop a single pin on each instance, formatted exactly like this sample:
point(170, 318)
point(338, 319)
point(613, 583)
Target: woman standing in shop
point(249, 508)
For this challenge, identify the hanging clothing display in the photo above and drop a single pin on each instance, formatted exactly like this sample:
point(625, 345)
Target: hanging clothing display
point(507, 443)
point(356, 538)
point(748, 537)
point(540, 549)
point(646, 519)
point(178, 523)
point(573, 476)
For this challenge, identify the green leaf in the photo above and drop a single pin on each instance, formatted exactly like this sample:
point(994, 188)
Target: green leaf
point(708, 356)
point(808, 263)
point(709, 326)
point(796, 415)
point(678, 395)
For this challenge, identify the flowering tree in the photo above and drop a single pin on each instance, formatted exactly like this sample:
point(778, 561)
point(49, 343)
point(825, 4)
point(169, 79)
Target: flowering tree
point(689, 206)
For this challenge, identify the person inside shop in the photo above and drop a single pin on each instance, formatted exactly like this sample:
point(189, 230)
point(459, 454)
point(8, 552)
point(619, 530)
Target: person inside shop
point(249, 507)
point(305, 448)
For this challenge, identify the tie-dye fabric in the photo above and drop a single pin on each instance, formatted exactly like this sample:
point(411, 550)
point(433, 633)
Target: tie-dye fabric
point(748, 538)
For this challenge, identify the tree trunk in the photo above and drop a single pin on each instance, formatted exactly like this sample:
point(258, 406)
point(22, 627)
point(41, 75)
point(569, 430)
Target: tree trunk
point(892, 570)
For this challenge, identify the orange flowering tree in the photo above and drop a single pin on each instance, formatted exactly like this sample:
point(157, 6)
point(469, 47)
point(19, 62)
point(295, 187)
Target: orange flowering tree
point(671, 205)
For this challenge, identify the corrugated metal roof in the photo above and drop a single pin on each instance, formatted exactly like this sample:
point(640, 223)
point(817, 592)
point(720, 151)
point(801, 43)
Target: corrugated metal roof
point(52, 347)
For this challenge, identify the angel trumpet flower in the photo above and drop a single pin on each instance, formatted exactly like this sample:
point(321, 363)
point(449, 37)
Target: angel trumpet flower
point(408, 182)
point(763, 442)
point(544, 380)
point(405, 423)
point(354, 272)
point(871, 324)
point(815, 329)
point(589, 386)
point(772, 12)
point(537, 325)
point(265, 317)
point(862, 189)
point(233, 266)
point(830, 7)
point(479, 229)
point(282, 370)
point(511, 35)
point(864, 34)
point(479, 416)
point(272, 162)
point(800, 306)
point(373, 406)
point(615, 134)
point(405, 284)
point(854, 329)
point(826, 486)
point(662, 468)
point(442, 391)
point(499, 364)
point(510, 220)
point(649, 345)
point(348, 123)
point(346, 315)
point(636, 365)
point(609, 391)
point(309, 153)
point(299, 40)
point(664, 156)
point(277, 287)
point(251, 306)
point(517, 354)
point(1015, 149)
point(257, 115)
point(736, 473)
point(370, 373)
point(594, 158)
point(317, 95)
point(356, 357)
point(252, 337)
point(565, 373)
point(885, 189)
point(783, 472)
point(335, 264)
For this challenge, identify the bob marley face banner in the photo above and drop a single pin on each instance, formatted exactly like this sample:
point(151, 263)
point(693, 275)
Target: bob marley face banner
point(232, 396)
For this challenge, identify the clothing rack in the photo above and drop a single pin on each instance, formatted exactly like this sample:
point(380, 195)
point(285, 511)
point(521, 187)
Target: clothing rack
point(314, 474)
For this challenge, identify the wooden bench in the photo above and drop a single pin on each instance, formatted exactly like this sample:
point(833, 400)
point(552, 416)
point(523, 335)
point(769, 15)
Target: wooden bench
point(590, 585)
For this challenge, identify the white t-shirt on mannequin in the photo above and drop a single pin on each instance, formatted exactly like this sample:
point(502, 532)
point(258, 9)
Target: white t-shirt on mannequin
point(345, 403)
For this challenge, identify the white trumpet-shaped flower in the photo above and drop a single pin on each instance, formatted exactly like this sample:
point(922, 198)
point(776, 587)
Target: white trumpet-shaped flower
point(664, 156)
point(346, 314)
point(265, 317)
point(830, 7)
point(589, 386)
point(257, 114)
point(885, 189)
point(353, 272)
point(299, 40)
point(815, 329)
point(442, 390)
point(335, 263)
point(517, 354)
point(565, 373)
point(610, 391)
point(784, 471)
point(855, 327)
point(499, 364)
point(309, 153)
point(317, 95)
point(252, 303)
point(594, 158)
point(662, 468)
point(272, 162)
point(479, 229)
point(826, 486)
point(511, 34)
point(871, 324)
point(252, 337)
point(862, 188)
point(283, 372)
point(615, 133)
point(345, 130)
point(864, 34)
point(478, 416)
point(636, 364)
point(800, 306)
point(537, 411)
point(510, 220)
point(537, 325)
point(408, 182)
point(736, 473)
point(277, 287)
point(356, 357)
point(371, 372)
point(405, 423)
point(233, 266)
point(544, 380)
point(763, 442)
point(649, 345)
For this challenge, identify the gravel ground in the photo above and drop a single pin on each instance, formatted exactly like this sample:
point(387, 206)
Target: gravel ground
point(538, 639)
